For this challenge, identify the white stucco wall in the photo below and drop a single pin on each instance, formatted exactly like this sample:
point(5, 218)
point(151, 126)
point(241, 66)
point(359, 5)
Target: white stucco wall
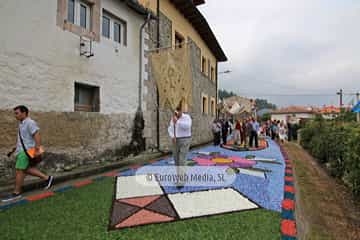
point(40, 62)
point(296, 116)
point(330, 116)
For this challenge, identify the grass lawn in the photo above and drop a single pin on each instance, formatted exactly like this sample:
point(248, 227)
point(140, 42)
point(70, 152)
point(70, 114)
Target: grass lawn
point(326, 209)
point(84, 214)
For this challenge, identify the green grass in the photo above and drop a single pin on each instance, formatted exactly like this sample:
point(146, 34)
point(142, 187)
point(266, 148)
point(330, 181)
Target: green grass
point(310, 194)
point(84, 213)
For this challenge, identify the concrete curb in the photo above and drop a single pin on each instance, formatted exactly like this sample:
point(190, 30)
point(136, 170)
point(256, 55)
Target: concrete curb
point(81, 173)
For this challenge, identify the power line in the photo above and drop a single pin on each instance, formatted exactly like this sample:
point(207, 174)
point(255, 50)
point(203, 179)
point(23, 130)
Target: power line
point(290, 95)
point(340, 93)
point(297, 94)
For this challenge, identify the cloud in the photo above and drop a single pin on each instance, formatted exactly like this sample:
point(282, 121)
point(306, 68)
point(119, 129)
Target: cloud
point(288, 47)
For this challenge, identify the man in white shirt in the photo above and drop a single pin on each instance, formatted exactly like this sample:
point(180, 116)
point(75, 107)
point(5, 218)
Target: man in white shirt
point(180, 134)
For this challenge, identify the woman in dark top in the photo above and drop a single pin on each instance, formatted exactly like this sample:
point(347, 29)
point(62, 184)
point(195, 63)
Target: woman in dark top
point(243, 133)
point(224, 131)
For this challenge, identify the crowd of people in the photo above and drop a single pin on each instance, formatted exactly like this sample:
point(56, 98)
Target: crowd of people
point(277, 130)
point(246, 132)
point(243, 132)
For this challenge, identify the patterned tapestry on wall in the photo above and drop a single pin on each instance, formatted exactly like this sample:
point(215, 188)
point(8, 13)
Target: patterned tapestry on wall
point(172, 72)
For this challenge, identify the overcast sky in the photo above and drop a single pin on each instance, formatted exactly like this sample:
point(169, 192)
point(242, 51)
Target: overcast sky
point(282, 47)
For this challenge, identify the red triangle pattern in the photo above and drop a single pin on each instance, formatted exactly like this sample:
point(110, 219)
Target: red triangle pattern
point(141, 201)
point(144, 217)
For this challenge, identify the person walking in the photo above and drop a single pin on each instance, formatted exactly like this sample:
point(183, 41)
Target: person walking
point(282, 132)
point(254, 132)
point(289, 130)
point(231, 126)
point(224, 131)
point(268, 128)
point(180, 133)
point(248, 130)
point(273, 129)
point(243, 133)
point(216, 129)
point(237, 133)
point(28, 140)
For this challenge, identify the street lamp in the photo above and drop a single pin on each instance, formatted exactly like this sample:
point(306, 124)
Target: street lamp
point(217, 90)
point(226, 71)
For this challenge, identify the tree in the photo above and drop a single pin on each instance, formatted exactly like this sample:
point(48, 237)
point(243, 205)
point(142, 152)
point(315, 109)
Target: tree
point(225, 94)
point(266, 117)
point(264, 104)
point(260, 103)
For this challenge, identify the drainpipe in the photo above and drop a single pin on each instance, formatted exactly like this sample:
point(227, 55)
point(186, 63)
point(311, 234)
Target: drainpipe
point(157, 90)
point(158, 24)
point(217, 91)
point(141, 58)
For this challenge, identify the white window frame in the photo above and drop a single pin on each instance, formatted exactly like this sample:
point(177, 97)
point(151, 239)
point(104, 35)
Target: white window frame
point(121, 31)
point(102, 24)
point(114, 19)
point(68, 10)
point(77, 14)
point(88, 14)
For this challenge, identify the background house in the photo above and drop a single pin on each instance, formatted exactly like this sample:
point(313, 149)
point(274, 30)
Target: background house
point(236, 107)
point(294, 114)
point(330, 112)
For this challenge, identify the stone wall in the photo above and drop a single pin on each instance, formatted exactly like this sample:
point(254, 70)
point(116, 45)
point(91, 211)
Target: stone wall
point(201, 85)
point(71, 139)
point(201, 129)
point(150, 115)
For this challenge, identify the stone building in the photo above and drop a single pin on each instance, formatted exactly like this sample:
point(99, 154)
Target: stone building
point(76, 65)
point(181, 24)
point(85, 98)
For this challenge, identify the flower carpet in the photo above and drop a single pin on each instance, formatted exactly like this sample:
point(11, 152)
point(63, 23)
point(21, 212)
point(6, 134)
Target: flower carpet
point(258, 182)
point(230, 145)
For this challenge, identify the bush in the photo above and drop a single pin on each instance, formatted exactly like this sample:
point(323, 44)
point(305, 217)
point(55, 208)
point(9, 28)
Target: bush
point(308, 132)
point(346, 116)
point(335, 144)
point(337, 147)
point(352, 161)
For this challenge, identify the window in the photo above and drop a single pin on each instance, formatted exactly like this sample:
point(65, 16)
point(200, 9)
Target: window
point(71, 11)
point(79, 13)
point(212, 74)
point(80, 17)
point(212, 106)
point(208, 69)
point(203, 65)
point(83, 15)
point(117, 32)
point(114, 28)
point(106, 27)
point(87, 98)
point(179, 40)
point(205, 104)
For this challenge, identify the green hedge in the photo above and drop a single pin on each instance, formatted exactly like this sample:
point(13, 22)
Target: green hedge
point(336, 145)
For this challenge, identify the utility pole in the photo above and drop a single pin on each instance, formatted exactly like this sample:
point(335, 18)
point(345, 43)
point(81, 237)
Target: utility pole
point(357, 100)
point(341, 97)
